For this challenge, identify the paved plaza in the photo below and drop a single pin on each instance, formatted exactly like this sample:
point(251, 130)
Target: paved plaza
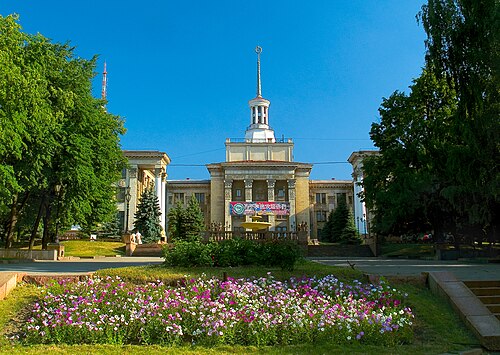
point(463, 270)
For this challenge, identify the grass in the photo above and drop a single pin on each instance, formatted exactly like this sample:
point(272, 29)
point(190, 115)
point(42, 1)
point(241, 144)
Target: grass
point(86, 248)
point(412, 251)
point(437, 328)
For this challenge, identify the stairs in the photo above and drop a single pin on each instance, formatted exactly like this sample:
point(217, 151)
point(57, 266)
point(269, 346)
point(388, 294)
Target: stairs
point(488, 292)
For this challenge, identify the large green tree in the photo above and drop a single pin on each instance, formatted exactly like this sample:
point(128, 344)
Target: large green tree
point(59, 148)
point(438, 162)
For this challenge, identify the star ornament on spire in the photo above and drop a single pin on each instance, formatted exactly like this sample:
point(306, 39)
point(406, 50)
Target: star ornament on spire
point(258, 49)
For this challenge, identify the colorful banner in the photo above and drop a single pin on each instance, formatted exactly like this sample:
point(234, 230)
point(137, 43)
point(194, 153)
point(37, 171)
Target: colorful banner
point(262, 208)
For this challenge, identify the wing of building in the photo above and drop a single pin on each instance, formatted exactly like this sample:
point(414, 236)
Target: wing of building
point(259, 176)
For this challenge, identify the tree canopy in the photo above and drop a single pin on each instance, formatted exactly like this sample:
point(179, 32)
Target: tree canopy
point(59, 148)
point(439, 151)
point(186, 223)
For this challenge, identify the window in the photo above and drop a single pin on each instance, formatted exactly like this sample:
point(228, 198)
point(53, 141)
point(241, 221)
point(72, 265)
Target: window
point(341, 197)
point(120, 194)
point(179, 197)
point(280, 196)
point(321, 198)
point(281, 217)
point(238, 192)
point(200, 197)
point(170, 199)
point(320, 216)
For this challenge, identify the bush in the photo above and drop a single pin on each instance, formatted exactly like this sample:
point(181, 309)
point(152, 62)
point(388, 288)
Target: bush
point(188, 254)
point(233, 252)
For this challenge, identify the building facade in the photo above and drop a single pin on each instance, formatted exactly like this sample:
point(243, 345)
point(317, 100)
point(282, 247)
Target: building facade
point(259, 176)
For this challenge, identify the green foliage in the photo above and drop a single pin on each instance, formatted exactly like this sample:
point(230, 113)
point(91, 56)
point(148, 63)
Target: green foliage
point(188, 253)
point(232, 253)
point(350, 234)
point(340, 227)
point(186, 223)
point(53, 133)
point(147, 217)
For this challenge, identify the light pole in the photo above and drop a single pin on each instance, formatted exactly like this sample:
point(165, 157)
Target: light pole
point(128, 196)
point(364, 223)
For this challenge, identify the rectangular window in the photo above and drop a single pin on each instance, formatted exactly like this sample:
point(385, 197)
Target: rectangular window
point(280, 196)
point(179, 197)
point(320, 216)
point(170, 199)
point(341, 197)
point(238, 192)
point(120, 194)
point(200, 197)
point(321, 198)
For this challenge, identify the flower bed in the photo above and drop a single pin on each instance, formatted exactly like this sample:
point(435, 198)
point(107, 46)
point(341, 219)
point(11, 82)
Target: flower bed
point(204, 311)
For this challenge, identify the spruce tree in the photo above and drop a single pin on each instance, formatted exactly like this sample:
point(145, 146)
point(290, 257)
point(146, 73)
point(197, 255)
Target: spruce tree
point(194, 221)
point(147, 217)
point(349, 233)
point(186, 223)
point(339, 221)
point(326, 232)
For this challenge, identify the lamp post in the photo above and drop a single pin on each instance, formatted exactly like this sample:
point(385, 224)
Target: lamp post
point(364, 223)
point(128, 196)
point(57, 189)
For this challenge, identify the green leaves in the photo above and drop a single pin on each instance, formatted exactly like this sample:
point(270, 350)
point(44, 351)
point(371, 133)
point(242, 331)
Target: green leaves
point(147, 217)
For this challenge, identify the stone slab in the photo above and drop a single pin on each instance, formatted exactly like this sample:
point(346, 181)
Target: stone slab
point(7, 282)
point(469, 306)
point(456, 289)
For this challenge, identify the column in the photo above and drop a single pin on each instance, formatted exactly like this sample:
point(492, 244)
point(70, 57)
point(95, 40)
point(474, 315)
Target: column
point(248, 194)
point(292, 221)
point(158, 191)
point(271, 183)
point(228, 192)
point(132, 206)
point(163, 201)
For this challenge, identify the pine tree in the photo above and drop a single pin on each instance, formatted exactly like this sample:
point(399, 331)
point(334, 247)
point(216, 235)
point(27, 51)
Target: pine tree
point(147, 217)
point(186, 223)
point(339, 221)
point(326, 232)
point(194, 220)
point(349, 233)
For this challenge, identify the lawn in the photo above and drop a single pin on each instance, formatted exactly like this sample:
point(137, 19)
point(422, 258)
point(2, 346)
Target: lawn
point(407, 250)
point(433, 319)
point(86, 248)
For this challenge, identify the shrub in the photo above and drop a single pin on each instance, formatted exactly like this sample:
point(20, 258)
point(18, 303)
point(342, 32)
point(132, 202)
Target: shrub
point(188, 254)
point(233, 252)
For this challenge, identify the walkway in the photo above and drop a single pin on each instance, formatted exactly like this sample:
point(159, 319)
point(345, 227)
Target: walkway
point(75, 267)
point(463, 270)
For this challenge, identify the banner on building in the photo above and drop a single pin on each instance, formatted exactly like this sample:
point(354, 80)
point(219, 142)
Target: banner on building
point(263, 208)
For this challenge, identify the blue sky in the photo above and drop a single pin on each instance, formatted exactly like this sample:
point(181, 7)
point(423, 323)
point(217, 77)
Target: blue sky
point(181, 73)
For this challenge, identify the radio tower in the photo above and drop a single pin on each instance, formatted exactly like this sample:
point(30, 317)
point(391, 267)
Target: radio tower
point(104, 83)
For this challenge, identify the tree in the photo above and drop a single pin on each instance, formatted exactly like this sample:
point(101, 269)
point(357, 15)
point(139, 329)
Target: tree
point(186, 223)
point(350, 234)
point(59, 148)
point(147, 217)
point(438, 163)
point(339, 221)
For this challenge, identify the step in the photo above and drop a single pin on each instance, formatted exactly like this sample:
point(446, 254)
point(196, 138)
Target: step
point(489, 299)
point(8, 280)
point(493, 308)
point(486, 291)
point(482, 283)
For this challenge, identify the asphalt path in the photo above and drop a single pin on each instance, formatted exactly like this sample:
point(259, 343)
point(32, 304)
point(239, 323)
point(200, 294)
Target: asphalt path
point(463, 270)
point(77, 267)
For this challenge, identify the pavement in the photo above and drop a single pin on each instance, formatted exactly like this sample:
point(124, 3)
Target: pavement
point(77, 267)
point(464, 270)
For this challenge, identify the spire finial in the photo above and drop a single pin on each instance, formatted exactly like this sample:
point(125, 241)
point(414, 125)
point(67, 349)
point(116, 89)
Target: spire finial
point(258, 50)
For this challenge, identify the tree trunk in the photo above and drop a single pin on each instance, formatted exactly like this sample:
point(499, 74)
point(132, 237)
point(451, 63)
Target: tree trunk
point(11, 223)
point(37, 223)
point(46, 227)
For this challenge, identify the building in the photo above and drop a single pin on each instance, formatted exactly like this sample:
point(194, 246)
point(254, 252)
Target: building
point(259, 176)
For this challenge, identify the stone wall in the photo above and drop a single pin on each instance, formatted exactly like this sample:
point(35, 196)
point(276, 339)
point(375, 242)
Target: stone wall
point(28, 254)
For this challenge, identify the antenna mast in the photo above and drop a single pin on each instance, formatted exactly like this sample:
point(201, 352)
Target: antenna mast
point(104, 83)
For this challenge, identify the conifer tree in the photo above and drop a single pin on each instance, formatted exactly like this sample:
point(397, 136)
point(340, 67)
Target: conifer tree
point(349, 233)
point(147, 217)
point(339, 221)
point(186, 223)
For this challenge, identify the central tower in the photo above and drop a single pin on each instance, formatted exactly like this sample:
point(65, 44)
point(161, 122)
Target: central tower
point(259, 130)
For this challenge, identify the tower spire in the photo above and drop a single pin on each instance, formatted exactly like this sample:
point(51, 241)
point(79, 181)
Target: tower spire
point(104, 83)
point(258, 50)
